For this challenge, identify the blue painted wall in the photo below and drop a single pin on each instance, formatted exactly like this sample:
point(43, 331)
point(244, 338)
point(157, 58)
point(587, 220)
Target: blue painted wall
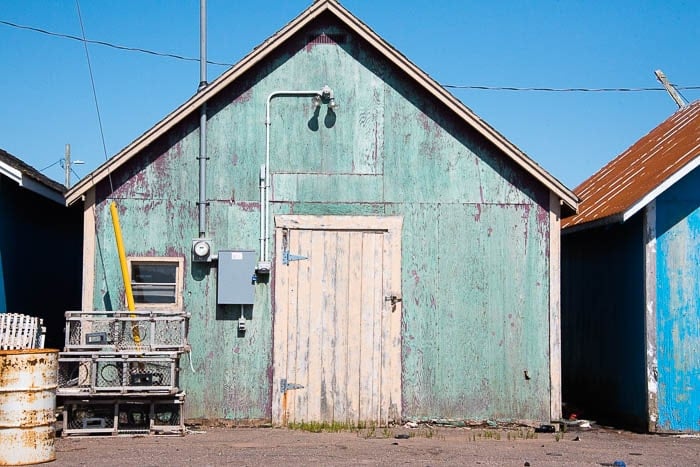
point(40, 257)
point(603, 316)
point(678, 305)
point(603, 338)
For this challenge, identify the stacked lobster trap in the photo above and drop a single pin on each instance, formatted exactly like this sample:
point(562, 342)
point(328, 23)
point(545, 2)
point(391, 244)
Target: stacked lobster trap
point(118, 373)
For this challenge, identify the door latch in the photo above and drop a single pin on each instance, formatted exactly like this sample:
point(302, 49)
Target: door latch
point(393, 299)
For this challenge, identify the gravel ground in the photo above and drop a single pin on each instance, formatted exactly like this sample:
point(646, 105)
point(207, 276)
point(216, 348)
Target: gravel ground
point(399, 446)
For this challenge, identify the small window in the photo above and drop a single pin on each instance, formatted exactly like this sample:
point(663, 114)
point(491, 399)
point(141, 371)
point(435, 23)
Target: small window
point(156, 282)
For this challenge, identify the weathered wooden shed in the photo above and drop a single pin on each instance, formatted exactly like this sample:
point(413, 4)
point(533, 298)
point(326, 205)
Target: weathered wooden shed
point(414, 250)
point(40, 247)
point(630, 288)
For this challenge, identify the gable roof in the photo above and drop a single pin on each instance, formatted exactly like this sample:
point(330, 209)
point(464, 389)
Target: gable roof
point(30, 178)
point(641, 173)
point(569, 200)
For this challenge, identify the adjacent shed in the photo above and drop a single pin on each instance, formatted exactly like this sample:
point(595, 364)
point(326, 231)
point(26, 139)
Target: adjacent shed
point(630, 281)
point(379, 251)
point(40, 247)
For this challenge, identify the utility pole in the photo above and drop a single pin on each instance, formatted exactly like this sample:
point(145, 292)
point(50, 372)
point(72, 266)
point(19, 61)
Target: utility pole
point(66, 164)
point(670, 89)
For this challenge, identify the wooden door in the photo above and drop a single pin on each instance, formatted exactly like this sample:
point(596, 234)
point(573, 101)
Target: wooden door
point(337, 320)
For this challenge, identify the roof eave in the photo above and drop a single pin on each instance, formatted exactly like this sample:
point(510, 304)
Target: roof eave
point(612, 219)
point(30, 184)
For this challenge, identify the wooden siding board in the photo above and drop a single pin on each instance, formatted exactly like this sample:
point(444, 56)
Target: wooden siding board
point(355, 332)
point(555, 410)
point(303, 312)
point(89, 236)
point(339, 383)
point(420, 278)
point(280, 322)
point(466, 347)
point(316, 289)
point(330, 209)
point(336, 188)
point(429, 160)
point(368, 371)
point(678, 295)
point(369, 136)
point(326, 328)
point(506, 306)
point(650, 310)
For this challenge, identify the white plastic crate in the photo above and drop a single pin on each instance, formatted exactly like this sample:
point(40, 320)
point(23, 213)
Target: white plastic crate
point(18, 331)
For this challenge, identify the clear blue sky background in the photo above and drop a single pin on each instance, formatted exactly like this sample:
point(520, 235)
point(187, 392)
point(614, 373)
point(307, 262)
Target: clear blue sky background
point(47, 100)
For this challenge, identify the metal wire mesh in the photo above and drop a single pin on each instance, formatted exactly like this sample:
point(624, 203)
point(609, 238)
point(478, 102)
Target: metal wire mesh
point(74, 374)
point(90, 416)
point(151, 374)
point(133, 335)
point(134, 416)
point(109, 374)
point(167, 414)
point(170, 333)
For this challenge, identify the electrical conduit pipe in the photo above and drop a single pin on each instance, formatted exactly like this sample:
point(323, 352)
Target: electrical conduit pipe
point(325, 92)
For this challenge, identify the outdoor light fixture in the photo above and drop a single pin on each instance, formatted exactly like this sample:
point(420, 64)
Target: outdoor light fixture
point(324, 95)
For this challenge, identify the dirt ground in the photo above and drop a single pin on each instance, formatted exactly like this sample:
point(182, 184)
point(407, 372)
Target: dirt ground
point(422, 446)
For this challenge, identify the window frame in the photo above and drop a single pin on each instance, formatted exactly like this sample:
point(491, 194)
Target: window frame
point(179, 263)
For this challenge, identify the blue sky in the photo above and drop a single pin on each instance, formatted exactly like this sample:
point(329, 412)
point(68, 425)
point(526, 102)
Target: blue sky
point(47, 99)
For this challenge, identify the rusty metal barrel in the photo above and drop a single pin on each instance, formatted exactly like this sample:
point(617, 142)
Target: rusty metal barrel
point(28, 380)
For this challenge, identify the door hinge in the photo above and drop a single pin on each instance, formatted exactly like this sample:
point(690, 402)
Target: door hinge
point(285, 386)
point(287, 257)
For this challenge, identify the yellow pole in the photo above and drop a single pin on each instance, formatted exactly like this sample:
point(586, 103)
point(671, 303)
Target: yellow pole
point(125, 270)
point(122, 257)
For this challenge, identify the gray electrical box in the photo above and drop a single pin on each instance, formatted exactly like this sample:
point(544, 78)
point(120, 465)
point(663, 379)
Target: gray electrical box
point(235, 284)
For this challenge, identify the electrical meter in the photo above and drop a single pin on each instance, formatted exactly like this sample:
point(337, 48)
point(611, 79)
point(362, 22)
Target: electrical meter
point(201, 250)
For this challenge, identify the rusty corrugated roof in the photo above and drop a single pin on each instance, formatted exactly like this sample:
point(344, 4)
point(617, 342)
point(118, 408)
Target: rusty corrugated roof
point(638, 175)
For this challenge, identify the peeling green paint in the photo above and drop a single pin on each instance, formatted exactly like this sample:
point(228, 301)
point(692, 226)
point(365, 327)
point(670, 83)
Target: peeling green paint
point(475, 269)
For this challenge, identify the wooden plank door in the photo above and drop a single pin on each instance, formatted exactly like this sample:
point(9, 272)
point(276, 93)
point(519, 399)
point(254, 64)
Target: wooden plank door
point(337, 331)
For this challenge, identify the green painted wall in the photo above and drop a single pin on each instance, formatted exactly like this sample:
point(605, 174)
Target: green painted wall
point(475, 269)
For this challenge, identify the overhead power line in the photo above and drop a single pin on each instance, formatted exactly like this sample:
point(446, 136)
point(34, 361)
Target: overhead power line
point(94, 90)
point(450, 86)
point(512, 88)
point(109, 44)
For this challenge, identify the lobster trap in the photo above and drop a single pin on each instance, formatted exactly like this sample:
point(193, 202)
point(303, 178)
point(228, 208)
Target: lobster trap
point(80, 373)
point(126, 331)
point(124, 416)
